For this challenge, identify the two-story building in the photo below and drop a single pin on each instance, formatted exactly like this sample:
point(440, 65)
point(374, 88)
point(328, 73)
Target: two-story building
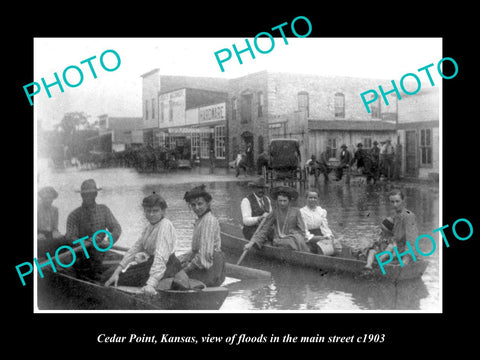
point(316, 110)
point(214, 117)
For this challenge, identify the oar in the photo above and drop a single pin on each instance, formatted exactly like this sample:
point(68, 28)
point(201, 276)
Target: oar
point(246, 251)
point(119, 248)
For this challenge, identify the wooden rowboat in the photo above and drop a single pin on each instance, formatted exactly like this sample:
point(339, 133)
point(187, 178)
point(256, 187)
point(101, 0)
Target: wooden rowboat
point(233, 244)
point(62, 291)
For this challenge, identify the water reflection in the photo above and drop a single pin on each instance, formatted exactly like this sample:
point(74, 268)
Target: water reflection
point(353, 212)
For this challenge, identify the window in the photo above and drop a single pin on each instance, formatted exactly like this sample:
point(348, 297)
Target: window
point(205, 145)
point(339, 105)
point(260, 104)
point(195, 143)
point(170, 110)
point(146, 109)
point(426, 146)
point(220, 142)
point(260, 144)
point(246, 108)
point(162, 109)
point(234, 108)
point(367, 143)
point(153, 108)
point(375, 108)
point(333, 148)
point(303, 102)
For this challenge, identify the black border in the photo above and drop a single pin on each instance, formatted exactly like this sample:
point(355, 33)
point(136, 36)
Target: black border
point(404, 332)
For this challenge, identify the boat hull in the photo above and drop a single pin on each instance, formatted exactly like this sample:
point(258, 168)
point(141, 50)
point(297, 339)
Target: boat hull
point(60, 291)
point(233, 244)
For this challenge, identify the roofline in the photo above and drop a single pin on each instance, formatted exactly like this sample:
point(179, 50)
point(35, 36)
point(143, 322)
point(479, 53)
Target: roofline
point(150, 72)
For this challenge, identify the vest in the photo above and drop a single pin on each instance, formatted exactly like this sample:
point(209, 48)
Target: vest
point(248, 231)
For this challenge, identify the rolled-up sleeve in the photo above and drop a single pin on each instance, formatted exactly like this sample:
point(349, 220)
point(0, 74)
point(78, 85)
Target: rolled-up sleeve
point(247, 218)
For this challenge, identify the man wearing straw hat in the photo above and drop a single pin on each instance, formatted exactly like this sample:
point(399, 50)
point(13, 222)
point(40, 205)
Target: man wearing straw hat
point(255, 207)
point(85, 221)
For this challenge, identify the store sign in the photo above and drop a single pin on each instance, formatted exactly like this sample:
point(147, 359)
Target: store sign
point(212, 113)
point(188, 131)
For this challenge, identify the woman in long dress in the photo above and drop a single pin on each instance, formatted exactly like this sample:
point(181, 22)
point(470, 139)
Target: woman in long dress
point(285, 220)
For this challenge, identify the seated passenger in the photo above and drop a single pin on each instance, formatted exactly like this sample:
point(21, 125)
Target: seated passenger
point(385, 242)
point(205, 261)
point(320, 238)
point(286, 221)
point(48, 236)
point(152, 257)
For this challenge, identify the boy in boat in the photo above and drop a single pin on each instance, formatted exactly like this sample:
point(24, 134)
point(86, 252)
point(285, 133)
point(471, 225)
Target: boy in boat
point(152, 257)
point(385, 242)
point(285, 220)
point(255, 207)
point(404, 224)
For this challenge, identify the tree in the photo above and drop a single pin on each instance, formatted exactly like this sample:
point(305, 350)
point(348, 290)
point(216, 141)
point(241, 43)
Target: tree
point(69, 125)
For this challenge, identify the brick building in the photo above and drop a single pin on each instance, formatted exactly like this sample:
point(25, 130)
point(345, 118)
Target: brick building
point(316, 110)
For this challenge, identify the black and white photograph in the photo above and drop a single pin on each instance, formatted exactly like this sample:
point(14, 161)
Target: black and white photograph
point(274, 174)
point(220, 180)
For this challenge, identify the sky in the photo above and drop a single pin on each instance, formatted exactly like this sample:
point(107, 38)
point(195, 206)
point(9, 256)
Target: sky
point(119, 92)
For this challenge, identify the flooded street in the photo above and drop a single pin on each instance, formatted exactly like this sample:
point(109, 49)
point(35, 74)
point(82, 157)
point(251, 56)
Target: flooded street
point(353, 212)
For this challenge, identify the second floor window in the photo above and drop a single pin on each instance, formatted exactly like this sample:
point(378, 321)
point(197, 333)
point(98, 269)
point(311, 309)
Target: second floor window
point(303, 102)
point(260, 104)
point(339, 105)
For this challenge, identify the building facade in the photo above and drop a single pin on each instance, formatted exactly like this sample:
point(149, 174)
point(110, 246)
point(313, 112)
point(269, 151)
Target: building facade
point(226, 116)
point(418, 132)
point(122, 132)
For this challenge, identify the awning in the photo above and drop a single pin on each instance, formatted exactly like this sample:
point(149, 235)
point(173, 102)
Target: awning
point(351, 125)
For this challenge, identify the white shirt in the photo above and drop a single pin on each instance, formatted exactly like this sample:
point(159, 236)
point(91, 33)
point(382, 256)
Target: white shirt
point(246, 209)
point(316, 219)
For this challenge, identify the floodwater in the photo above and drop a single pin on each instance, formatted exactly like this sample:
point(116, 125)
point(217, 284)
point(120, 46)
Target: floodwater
point(354, 212)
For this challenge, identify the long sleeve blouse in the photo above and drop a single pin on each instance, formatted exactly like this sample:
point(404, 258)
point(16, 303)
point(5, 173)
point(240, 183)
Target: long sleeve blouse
point(158, 240)
point(316, 219)
point(205, 241)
